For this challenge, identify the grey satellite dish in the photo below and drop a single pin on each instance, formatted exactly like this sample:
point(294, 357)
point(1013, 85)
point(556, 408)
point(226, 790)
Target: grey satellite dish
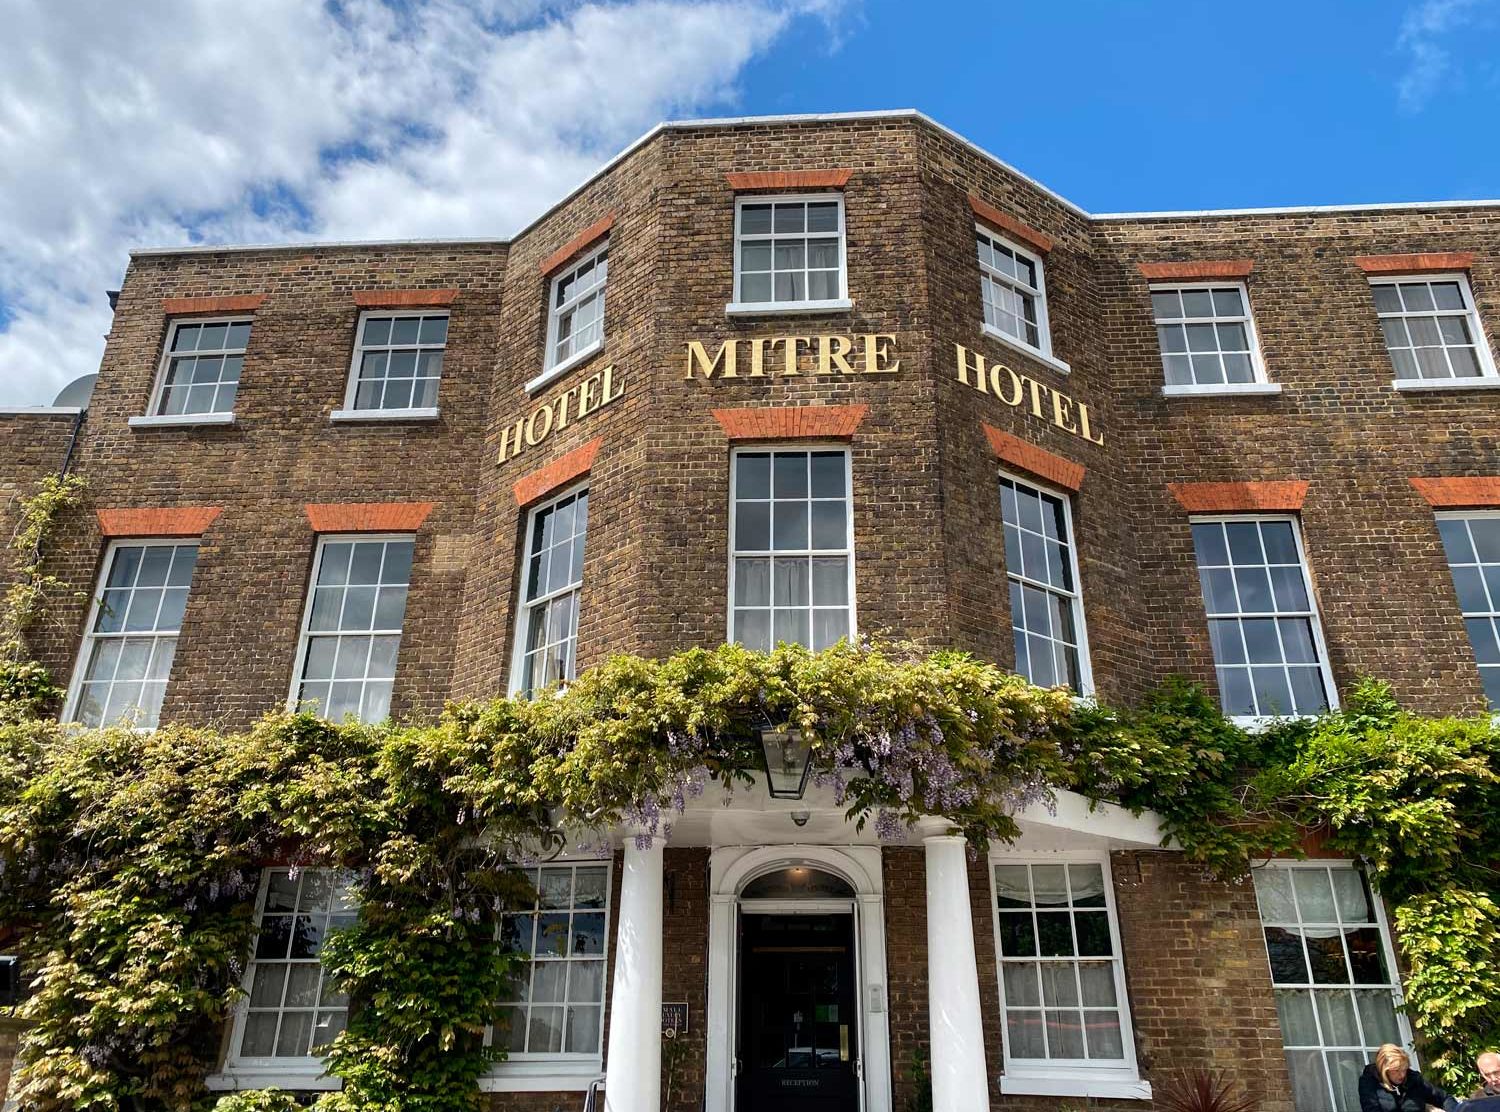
point(77, 393)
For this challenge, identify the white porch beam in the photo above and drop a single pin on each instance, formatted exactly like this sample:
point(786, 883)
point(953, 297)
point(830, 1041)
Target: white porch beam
point(956, 1030)
point(633, 1065)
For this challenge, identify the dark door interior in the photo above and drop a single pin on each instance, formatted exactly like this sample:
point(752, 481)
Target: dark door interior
point(797, 1028)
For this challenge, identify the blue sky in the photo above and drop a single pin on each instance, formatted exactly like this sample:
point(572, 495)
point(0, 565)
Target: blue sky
point(145, 124)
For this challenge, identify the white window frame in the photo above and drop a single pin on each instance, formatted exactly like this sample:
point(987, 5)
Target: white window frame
point(541, 1073)
point(153, 414)
point(86, 643)
point(304, 638)
point(1387, 946)
point(1043, 350)
point(1085, 665)
point(555, 370)
point(523, 608)
point(784, 308)
point(1464, 615)
point(1489, 377)
point(238, 1072)
point(1261, 384)
point(1261, 721)
point(351, 410)
point(796, 446)
point(1068, 1077)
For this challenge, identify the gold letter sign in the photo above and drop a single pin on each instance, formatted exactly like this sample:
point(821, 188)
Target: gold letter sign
point(573, 404)
point(791, 356)
point(1018, 390)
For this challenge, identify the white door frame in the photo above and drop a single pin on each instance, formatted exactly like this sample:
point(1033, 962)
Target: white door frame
point(733, 867)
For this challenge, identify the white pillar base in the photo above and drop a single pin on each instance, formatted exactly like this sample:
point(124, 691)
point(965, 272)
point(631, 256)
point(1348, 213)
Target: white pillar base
point(959, 1081)
point(632, 1066)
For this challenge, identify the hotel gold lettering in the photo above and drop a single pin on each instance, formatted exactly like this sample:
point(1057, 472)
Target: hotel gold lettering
point(872, 353)
point(573, 404)
point(1017, 391)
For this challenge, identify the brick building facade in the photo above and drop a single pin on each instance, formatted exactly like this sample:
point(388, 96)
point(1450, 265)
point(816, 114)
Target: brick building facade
point(822, 376)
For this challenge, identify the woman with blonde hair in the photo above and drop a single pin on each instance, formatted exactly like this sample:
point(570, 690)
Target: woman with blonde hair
point(1389, 1084)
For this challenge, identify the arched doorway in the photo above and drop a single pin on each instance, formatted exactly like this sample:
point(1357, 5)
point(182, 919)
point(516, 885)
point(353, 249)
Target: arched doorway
point(796, 994)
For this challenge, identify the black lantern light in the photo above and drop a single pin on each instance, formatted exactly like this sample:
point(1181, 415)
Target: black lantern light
point(788, 762)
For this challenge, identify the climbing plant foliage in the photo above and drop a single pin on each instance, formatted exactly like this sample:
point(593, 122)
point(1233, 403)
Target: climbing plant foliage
point(133, 859)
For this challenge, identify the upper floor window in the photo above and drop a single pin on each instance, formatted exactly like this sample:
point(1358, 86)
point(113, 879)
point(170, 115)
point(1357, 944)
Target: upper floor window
point(1262, 620)
point(292, 1010)
point(133, 624)
point(562, 941)
point(791, 573)
point(1472, 542)
point(351, 629)
point(1012, 286)
point(1062, 981)
point(1207, 335)
point(789, 252)
point(200, 368)
point(398, 362)
point(1046, 611)
point(575, 315)
point(1336, 988)
point(546, 650)
point(1432, 329)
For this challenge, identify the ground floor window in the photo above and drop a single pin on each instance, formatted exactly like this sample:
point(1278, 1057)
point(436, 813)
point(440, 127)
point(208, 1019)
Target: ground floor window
point(1062, 983)
point(559, 1002)
point(1334, 972)
point(292, 1010)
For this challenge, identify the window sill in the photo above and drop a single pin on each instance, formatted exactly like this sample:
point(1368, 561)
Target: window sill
point(1227, 389)
point(426, 413)
point(180, 420)
point(1076, 1084)
point(556, 1076)
point(40, 410)
point(1026, 349)
point(309, 1078)
point(552, 374)
point(787, 308)
point(1255, 723)
point(1488, 382)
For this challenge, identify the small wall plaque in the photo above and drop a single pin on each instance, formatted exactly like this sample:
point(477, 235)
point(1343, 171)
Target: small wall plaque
point(674, 1018)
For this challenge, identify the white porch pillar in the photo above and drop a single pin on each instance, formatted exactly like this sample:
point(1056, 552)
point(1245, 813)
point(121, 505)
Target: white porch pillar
point(632, 1067)
point(956, 1031)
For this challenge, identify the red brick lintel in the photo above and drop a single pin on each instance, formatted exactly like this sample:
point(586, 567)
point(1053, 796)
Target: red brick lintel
point(1281, 496)
point(1004, 222)
point(1468, 492)
point(159, 521)
point(583, 239)
point(789, 179)
point(1201, 268)
point(791, 422)
point(403, 299)
point(235, 303)
point(1057, 470)
point(553, 476)
point(1425, 262)
point(367, 517)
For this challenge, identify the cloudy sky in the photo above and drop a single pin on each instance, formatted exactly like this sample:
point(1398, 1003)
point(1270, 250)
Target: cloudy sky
point(162, 122)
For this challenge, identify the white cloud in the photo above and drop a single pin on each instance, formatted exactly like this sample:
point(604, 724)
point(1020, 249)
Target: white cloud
point(1425, 37)
point(169, 121)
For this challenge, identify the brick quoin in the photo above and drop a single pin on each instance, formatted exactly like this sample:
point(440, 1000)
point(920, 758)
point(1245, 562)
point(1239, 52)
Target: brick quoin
point(403, 299)
point(1055, 469)
point(235, 303)
point(1204, 268)
point(180, 521)
point(593, 232)
point(368, 517)
point(791, 422)
point(1280, 496)
point(544, 480)
point(1004, 222)
point(1470, 492)
point(789, 179)
point(1425, 261)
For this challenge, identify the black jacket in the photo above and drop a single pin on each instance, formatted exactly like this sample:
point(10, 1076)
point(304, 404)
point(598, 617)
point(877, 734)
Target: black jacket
point(1412, 1095)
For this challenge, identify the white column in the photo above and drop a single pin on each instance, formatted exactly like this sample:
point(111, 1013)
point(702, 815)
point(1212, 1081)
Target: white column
point(959, 1082)
point(632, 1067)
